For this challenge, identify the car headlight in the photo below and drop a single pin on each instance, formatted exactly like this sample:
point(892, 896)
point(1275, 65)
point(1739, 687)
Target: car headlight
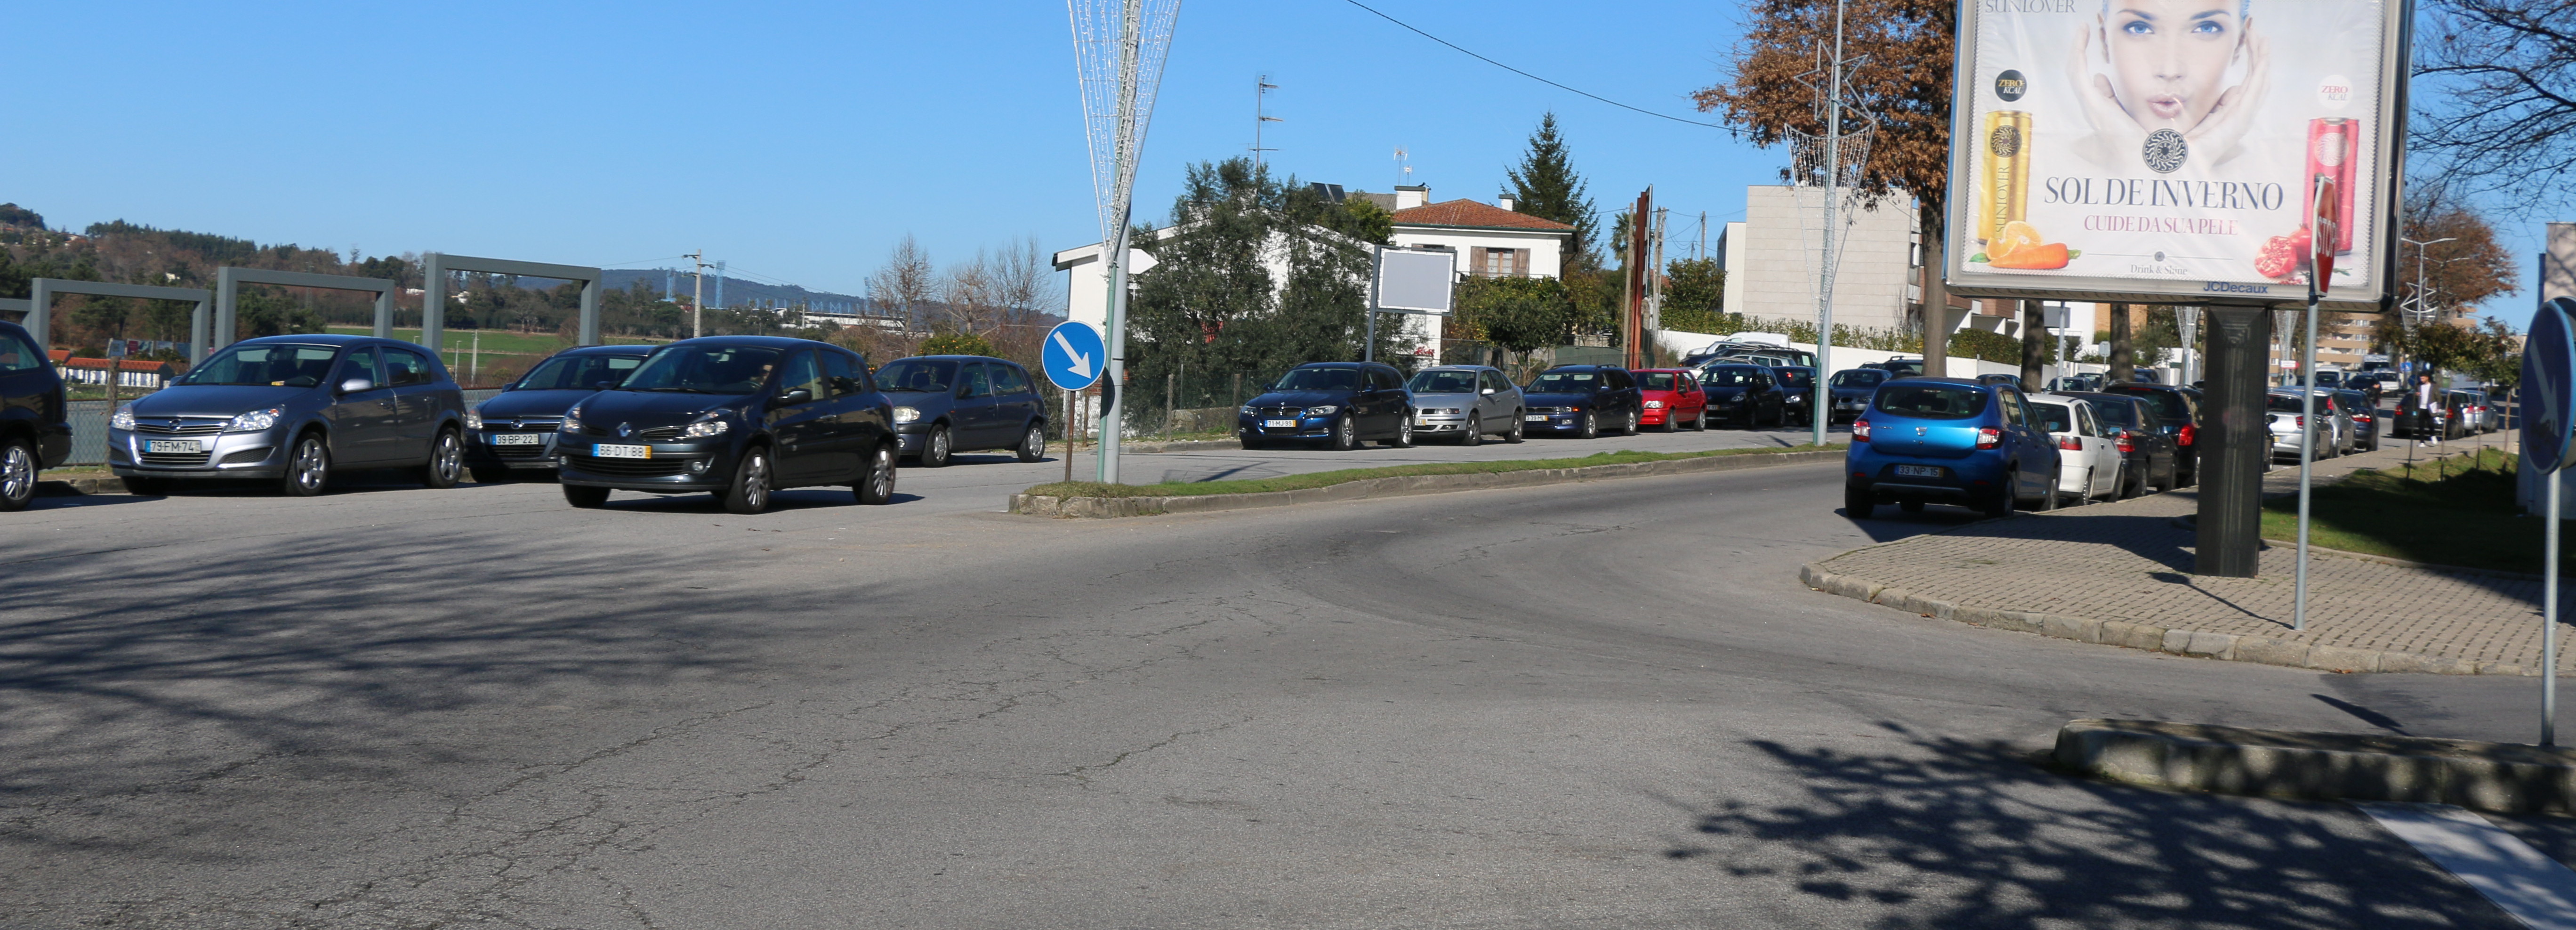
point(255, 421)
point(1739, 395)
point(1654, 405)
point(474, 419)
point(571, 421)
point(906, 414)
point(1325, 410)
point(704, 427)
point(124, 418)
point(1248, 411)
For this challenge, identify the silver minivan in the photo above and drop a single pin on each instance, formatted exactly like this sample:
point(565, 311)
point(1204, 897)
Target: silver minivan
point(1466, 403)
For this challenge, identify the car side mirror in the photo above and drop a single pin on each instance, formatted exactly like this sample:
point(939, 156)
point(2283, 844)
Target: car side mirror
point(1489, 391)
point(796, 396)
point(357, 386)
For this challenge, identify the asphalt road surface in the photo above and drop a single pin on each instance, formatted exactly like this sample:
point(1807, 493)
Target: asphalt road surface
point(1598, 705)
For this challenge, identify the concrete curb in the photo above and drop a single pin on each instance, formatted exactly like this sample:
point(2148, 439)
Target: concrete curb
point(1179, 445)
point(2231, 647)
point(1041, 505)
point(2502, 777)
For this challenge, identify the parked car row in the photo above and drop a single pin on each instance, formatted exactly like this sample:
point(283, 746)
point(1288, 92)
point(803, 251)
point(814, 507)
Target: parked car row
point(1339, 405)
point(1987, 444)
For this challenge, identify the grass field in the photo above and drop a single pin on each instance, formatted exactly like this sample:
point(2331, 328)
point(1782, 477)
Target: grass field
point(505, 354)
point(2453, 512)
point(1328, 478)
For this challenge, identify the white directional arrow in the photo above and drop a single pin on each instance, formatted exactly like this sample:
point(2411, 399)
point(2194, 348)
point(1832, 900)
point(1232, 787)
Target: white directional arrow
point(1081, 363)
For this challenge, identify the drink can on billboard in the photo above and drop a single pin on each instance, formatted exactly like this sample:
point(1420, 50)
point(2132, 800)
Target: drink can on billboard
point(2003, 188)
point(2331, 142)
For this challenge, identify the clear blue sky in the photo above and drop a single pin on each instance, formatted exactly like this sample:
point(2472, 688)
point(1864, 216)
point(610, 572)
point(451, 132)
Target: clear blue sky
point(800, 141)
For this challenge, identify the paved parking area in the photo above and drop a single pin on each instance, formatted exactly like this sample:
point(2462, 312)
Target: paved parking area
point(2127, 561)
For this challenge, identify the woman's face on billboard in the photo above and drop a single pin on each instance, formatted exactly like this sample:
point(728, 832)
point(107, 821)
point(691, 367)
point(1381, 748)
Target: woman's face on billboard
point(2169, 56)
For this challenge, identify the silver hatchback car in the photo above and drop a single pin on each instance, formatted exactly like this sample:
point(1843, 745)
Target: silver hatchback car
point(1466, 403)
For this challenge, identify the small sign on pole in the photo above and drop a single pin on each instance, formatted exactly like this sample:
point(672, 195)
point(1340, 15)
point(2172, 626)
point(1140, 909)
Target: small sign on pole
point(2549, 384)
point(1074, 355)
point(1409, 281)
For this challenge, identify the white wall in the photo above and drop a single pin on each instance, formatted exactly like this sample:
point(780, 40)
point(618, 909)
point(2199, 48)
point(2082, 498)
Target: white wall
point(1680, 342)
point(1547, 258)
point(1774, 253)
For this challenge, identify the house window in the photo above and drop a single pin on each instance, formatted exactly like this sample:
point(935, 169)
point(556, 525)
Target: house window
point(1501, 263)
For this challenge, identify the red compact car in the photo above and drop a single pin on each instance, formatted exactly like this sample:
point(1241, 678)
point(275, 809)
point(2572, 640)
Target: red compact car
point(1673, 399)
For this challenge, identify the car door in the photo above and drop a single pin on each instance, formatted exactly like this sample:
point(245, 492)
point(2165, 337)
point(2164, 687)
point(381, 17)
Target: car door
point(803, 428)
point(2025, 442)
point(975, 408)
point(1015, 402)
point(416, 405)
point(1496, 400)
point(850, 434)
point(2100, 453)
point(362, 423)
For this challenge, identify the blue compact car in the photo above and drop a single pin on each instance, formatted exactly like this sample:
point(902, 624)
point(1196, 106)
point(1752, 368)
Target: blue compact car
point(1951, 440)
point(1584, 400)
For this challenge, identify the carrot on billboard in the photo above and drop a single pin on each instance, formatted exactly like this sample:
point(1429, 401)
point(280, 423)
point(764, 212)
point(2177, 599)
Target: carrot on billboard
point(2168, 150)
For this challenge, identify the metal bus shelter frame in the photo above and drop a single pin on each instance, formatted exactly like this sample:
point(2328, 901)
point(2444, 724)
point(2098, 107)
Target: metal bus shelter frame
point(228, 282)
point(433, 302)
point(40, 305)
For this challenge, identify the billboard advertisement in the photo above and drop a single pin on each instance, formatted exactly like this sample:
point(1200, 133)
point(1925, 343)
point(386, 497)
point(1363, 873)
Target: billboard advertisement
point(2165, 151)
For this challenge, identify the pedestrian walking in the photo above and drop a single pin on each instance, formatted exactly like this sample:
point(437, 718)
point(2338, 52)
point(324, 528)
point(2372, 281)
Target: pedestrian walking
point(2425, 398)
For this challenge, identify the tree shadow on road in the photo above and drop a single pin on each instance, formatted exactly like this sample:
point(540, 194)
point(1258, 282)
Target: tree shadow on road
point(1954, 833)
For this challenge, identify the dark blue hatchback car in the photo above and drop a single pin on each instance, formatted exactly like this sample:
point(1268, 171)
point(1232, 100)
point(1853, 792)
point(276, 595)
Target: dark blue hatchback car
point(1951, 440)
point(1584, 400)
point(516, 428)
point(34, 433)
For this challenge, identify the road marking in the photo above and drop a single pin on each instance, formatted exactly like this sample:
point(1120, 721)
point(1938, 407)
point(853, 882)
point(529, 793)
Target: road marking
point(2535, 889)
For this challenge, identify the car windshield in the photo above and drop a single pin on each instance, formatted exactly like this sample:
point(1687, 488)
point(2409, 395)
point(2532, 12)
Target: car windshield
point(716, 369)
point(2113, 411)
point(273, 364)
point(1564, 382)
point(922, 375)
point(580, 372)
point(1860, 377)
point(1443, 382)
point(1321, 379)
point(2283, 403)
point(1794, 378)
point(2168, 404)
point(1659, 381)
point(2055, 418)
point(1728, 377)
point(1931, 401)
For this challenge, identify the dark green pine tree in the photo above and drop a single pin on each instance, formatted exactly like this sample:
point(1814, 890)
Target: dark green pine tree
point(1546, 187)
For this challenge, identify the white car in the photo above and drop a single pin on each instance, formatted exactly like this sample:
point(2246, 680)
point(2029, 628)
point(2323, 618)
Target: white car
point(2089, 457)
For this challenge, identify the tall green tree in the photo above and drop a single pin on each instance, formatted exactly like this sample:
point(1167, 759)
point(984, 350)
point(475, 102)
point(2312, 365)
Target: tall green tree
point(1546, 186)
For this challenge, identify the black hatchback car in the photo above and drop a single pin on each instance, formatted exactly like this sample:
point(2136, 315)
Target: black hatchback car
point(1586, 399)
point(946, 404)
point(738, 416)
point(516, 428)
point(35, 433)
point(1745, 395)
point(1340, 403)
point(2177, 415)
point(2153, 458)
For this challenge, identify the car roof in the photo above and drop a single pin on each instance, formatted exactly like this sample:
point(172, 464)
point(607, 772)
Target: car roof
point(1459, 368)
point(961, 358)
point(775, 342)
point(331, 339)
point(609, 350)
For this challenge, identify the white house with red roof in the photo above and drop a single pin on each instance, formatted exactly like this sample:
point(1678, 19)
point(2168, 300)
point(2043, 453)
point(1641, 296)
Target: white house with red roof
point(1492, 240)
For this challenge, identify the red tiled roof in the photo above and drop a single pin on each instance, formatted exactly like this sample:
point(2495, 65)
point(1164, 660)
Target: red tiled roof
point(64, 357)
point(1474, 215)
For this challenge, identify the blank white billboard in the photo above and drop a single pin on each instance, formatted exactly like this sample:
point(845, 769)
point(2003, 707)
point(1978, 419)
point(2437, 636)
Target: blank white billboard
point(1415, 280)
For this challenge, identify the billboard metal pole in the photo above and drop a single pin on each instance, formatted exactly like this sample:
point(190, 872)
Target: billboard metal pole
point(1833, 197)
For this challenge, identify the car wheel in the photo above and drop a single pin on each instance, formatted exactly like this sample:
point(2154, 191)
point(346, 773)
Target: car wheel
point(308, 467)
point(1403, 433)
point(877, 486)
point(1346, 434)
point(1856, 502)
point(2056, 482)
point(147, 487)
point(1475, 435)
point(750, 491)
point(1520, 427)
point(17, 475)
point(484, 475)
point(936, 450)
point(2184, 479)
point(1672, 422)
point(1700, 422)
point(1633, 417)
point(1591, 427)
point(1911, 505)
point(2006, 497)
point(585, 498)
point(446, 461)
point(1033, 443)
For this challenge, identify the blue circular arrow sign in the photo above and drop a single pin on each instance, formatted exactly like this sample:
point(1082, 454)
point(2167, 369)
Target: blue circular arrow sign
point(1074, 355)
point(2547, 394)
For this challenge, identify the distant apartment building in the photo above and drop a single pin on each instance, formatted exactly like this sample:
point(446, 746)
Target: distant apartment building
point(1774, 262)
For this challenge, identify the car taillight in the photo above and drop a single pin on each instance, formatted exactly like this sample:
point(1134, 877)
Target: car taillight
point(1860, 430)
point(2300, 422)
point(2070, 443)
point(2189, 433)
point(2128, 443)
point(1989, 437)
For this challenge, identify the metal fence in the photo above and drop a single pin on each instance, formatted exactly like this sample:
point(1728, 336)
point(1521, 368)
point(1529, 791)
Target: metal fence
point(89, 426)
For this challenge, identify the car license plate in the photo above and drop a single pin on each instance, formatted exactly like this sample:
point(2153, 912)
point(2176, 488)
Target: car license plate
point(516, 439)
point(1535, 417)
point(187, 446)
point(622, 452)
point(1280, 424)
point(1919, 471)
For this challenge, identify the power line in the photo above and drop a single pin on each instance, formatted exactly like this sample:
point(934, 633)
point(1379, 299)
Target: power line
point(1530, 76)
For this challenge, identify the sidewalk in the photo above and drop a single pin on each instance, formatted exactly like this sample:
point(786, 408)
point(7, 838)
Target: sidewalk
point(2120, 574)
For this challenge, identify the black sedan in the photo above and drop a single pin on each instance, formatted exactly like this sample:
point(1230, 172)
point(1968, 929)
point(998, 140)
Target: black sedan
point(516, 428)
point(2152, 456)
point(1584, 400)
point(739, 416)
point(1336, 403)
point(34, 433)
point(1745, 395)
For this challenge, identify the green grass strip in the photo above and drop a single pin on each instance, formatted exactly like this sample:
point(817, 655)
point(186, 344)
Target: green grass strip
point(1321, 479)
point(2458, 511)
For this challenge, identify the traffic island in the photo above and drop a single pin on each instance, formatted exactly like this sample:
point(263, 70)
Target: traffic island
point(2508, 778)
point(1090, 499)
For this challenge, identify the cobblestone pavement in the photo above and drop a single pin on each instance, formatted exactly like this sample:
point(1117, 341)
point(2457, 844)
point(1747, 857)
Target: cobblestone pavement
point(2129, 562)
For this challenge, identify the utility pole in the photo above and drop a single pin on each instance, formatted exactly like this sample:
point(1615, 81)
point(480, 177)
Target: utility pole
point(1261, 88)
point(1833, 196)
point(698, 299)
